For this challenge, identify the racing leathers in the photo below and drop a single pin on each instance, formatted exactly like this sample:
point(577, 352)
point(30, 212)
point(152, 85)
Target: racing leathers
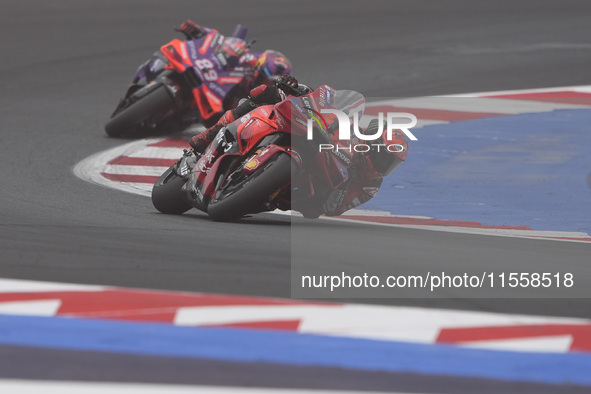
point(232, 53)
point(362, 185)
point(235, 53)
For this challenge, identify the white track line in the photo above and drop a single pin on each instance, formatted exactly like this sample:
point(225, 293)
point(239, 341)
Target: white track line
point(27, 286)
point(13, 386)
point(159, 152)
point(136, 170)
point(501, 232)
point(504, 106)
point(581, 89)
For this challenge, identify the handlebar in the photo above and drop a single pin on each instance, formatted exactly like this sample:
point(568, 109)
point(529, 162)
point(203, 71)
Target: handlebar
point(286, 87)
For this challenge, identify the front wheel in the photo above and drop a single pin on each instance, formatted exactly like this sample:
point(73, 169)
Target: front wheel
point(167, 194)
point(156, 102)
point(249, 194)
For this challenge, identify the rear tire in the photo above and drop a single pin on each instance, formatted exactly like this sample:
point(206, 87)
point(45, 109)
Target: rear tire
point(250, 194)
point(167, 194)
point(157, 102)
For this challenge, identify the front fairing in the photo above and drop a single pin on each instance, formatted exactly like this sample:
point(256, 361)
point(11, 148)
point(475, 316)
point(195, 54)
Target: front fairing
point(207, 167)
point(311, 119)
point(215, 59)
point(232, 142)
point(309, 109)
point(217, 63)
point(149, 70)
point(214, 65)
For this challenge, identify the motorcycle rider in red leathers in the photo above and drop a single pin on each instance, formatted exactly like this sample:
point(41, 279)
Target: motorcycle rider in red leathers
point(367, 169)
point(366, 173)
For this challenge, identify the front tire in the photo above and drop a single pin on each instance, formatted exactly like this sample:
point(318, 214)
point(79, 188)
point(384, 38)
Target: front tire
point(156, 102)
point(248, 195)
point(167, 194)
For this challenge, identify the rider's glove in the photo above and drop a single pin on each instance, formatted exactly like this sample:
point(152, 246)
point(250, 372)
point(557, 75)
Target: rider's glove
point(288, 84)
point(190, 29)
point(265, 94)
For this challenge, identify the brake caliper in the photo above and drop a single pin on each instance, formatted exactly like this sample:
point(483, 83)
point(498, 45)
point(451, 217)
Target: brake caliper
point(186, 164)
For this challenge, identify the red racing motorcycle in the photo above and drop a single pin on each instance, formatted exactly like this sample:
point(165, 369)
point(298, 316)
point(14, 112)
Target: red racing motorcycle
point(268, 159)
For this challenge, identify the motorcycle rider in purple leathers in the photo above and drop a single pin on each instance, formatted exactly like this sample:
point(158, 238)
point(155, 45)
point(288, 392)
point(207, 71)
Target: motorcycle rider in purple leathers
point(266, 65)
point(235, 54)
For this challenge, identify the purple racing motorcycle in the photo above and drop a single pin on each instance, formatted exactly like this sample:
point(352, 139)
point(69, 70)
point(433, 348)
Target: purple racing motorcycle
point(192, 81)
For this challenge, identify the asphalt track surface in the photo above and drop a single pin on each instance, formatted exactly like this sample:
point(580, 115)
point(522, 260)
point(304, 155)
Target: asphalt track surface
point(66, 63)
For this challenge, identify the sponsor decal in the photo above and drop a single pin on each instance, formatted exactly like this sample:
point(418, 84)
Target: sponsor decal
point(219, 138)
point(229, 80)
point(245, 118)
point(295, 102)
point(322, 97)
point(301, 121)
point(341, 198)
point(264, 152)
point(295, 154)
point(252, 164)
point(372, 191)
point(206, 43)
point(209, 156)
point(237, 72)
point(279, 120)
point(251, 121)
point(215, 87)
point(317, 117)
point(204, 163)
point(213, 98)
point(184, 51)
point(221, 59)
point(327, 159)
point(306, 102)
point(184, 170)
point(341, 156)
point(247, 58)
point(202, 166)
point(227, 145)
point(192, 49)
